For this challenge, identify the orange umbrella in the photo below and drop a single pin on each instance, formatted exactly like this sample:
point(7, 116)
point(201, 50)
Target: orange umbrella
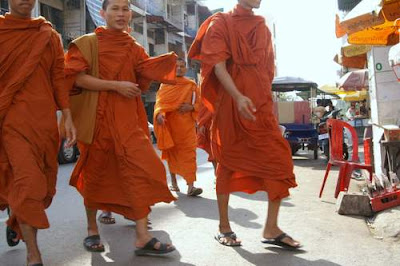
point(371, 22)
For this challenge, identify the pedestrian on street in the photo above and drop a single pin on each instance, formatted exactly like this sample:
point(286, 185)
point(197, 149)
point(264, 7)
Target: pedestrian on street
point(175, 114)
point(235, 50)
point(31, 91)
point(118, 169)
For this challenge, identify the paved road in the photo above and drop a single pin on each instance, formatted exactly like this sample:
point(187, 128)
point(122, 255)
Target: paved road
point(329, 239)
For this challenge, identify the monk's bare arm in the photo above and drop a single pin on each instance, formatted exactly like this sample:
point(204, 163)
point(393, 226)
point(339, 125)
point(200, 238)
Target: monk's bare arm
point(125, 88)
point(244, 104)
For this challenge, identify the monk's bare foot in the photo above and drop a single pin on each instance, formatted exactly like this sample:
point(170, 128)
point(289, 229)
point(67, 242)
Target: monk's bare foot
point(34, 257)
point(272, 233)
point(194, 191)
point(227, 237)
point(174, 187)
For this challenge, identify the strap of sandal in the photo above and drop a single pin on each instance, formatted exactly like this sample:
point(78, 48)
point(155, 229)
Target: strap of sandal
point(282, 236)
point(92, 240)
point(231, 235)
point(151, 243)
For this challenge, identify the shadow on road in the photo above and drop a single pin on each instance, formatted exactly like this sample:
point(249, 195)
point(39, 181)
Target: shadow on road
point(118, 244)
point(207, 209)
point(280, 257)
point(261, 196)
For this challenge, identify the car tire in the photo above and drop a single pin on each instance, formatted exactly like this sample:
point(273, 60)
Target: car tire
point(67, 155)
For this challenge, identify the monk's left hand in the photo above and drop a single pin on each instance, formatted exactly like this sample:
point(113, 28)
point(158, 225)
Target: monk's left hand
point(185, 108)
point(70, 130)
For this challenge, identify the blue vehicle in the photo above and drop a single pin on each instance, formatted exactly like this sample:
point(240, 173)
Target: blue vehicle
point(293, 107)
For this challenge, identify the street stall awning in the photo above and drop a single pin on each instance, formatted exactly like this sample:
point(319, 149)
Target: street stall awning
point(371, 22)
point(354, 80)
point(354, 96)
point(286, 84)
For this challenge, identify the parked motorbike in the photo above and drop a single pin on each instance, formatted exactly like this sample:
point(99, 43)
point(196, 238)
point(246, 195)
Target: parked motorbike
point(323, 135)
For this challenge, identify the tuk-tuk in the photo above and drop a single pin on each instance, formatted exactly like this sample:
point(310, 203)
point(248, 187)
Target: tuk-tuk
point(293, 107)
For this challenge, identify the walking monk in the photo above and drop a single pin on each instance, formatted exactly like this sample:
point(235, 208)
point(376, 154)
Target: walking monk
point(118, 169)
point(235, 49)
point(175, 114)
point(31, 91)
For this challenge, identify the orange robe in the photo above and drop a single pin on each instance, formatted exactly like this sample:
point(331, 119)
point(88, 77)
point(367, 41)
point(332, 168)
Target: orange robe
point(120, 171)
point(177, 138)
point(204, 120)
point(31, 90)
point(251, 156)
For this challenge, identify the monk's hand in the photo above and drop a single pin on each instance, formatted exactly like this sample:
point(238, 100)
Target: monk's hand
point(70, 130)
point(246, 107)
point(161, 119)
point(128, 89)
point(185, 108)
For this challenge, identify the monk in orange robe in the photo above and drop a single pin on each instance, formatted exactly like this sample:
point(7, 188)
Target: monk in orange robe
point(118, 170)
point(235, 49)
point(175, 114)
point(31, 91)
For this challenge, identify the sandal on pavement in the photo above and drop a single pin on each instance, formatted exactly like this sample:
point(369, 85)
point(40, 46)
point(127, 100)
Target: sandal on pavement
point(106, 218)
point(11, 235)
point(91, 241)
point(174, 188)
point(221, 237)
point(278, 242)
point(36, 264)
point(195, 191)
point(149, 248)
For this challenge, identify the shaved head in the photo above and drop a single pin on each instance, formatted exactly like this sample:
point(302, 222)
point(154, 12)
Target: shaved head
point(105, 4)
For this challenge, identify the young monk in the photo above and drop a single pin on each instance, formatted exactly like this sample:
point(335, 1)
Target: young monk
point(118, 170)
point(31, 91)
point(175, 114)
point(235, 49)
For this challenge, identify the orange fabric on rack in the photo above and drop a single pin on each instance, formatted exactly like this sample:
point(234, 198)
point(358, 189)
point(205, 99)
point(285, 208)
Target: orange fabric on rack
point(120, 171)
point(31, 90)
point(251, 156)
point(177, 138)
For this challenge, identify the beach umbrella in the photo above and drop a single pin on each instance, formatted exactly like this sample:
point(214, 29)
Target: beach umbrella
point(354, 80)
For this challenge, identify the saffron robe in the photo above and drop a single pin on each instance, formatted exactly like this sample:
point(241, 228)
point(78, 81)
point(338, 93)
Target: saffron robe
point(251, 156)
point(120, 170)
point(177, 138)
point(31, 91)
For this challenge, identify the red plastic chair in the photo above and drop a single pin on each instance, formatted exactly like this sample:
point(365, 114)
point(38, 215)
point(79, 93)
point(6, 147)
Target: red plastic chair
point(336, 129)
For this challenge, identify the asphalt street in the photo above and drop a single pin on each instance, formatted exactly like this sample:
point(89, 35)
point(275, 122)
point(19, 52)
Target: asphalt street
point(191, 223)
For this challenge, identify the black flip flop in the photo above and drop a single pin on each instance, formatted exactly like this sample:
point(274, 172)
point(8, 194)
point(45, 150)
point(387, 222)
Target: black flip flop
point(195, 192)
point(219, 237)
point(11, 235)
point(105, 218)
point(37, 264)
point(149, 249)
point(91, 241)
point(278, 242)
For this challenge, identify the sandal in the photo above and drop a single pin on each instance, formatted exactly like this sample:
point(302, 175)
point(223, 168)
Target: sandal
point(149, 248)
point(11, 235)
point(174, 188)
point(195, 191)
point(221, 237)
point(91, 241)
point(106, 218)
point(278, 242)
